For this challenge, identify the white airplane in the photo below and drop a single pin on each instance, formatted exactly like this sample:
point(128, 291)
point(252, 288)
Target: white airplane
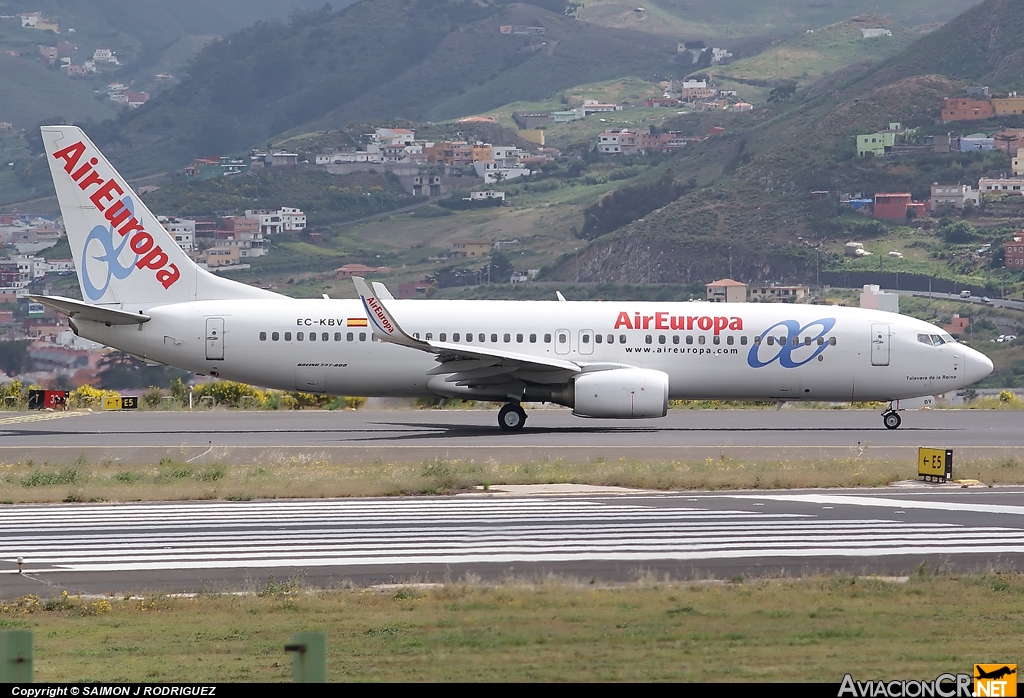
point(145, 296)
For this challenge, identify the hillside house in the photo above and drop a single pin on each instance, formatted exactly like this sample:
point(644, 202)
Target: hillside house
point(464, 249)
point(872, 32)
point(486, 195)
point(1018, 166)
point(895, 206)
point(349, 270)
point(1004, 106)
point(620, 141)
point(772, 292)
point(961, 109)
point(955, 195)
point(726, 291)
point(1014, 250)
point(957, 324)
point(134, 100)
point(393, 136)
point(876, 144)
point(220, 256)
point(427, 185)
point(592, 106)
point(105, 55)
point(414, 289)
point(183, 230)
point(872, 297)
point(531, 120)
point(1008, 140)
point(564, 117)
point(977, 141)
point(742, 106)
point(1009, 185)
point(662, 102)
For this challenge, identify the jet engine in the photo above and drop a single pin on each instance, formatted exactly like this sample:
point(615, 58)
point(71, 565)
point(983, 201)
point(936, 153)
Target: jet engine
point(621, 393)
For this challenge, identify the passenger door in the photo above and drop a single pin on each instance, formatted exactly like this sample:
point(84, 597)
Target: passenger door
point(586, 345)
point(879, 344)
point(562, 341)
point(214, 339)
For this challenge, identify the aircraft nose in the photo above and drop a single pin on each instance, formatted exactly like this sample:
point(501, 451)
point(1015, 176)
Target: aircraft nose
point(976, 366)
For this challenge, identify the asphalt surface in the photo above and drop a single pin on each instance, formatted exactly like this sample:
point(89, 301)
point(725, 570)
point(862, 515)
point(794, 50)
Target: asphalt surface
point(220, 546)
point(413, 435)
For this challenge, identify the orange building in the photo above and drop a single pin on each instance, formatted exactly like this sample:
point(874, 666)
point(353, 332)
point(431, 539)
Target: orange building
point(893, 206)
point(1014, 253)
point(959, 109)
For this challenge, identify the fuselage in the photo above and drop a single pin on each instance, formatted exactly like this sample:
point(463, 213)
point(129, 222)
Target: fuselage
point(709, 350)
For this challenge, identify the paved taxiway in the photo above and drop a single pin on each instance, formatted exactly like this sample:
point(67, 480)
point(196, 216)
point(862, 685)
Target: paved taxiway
point(197, 546)
point(413, 435)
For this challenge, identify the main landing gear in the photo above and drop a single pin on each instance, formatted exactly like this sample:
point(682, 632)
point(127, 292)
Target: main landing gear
point(891, 419)
point(511, 417)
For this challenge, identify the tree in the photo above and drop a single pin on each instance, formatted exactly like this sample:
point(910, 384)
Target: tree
point(14, 358)
point(782, 92)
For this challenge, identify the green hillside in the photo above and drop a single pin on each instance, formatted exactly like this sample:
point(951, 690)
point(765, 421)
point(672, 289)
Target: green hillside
point(742, 18)
point(148, 36)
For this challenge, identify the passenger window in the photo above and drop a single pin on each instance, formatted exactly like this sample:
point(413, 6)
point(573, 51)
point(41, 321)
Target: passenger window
point(661, 339)
point(821, 341)
point(349, 337)
point(362, 336)
point(796, 341)
point(507, 338)
point(807, 341)
point(519, 338)
point(483, 338)
point(494, 338)
point(771, 341)
point(325, 337)
point(622, 339)
point(275, 336)
point(716, 339)
point(533, 339)
point(469, 336)
point(299, 336)
point(648, 339)
point(675, 339)
point(729, 340)
point(430, 336)
point(701, 339)
point(263, 336)
point(287, 336)
point(415, 335)
point(598, 338)
point(562, 338)
point(455, 336)
point(743, 340)
point(547, 338)
point(782, 341)
point(443, 337)
point(611, 339)
point(586, 339)
point(757, 340)
point(689, 339)
point(312, 336)
point(832, 341)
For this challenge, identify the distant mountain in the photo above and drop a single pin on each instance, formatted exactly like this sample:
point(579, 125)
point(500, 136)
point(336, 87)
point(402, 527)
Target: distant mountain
point(752, 220)
point(377, 59)
point(741, 18)
point(146, 35)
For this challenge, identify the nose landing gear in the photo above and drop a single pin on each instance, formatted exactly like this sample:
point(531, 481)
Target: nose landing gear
point(511, 417)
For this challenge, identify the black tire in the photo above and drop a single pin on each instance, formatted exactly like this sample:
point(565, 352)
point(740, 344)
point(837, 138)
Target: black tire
point(891, 420)
point(511, 417)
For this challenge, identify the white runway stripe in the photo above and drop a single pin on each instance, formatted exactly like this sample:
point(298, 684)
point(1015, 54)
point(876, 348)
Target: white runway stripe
point(381, 533)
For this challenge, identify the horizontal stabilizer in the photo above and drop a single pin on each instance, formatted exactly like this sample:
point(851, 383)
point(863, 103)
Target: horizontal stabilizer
point(73, 308)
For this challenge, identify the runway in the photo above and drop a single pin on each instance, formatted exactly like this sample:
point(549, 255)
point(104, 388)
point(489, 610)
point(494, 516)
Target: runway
point(219, 546)
point(415, 435)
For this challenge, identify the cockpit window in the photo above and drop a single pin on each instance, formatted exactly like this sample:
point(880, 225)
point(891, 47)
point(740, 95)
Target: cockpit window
point(947, 338)
point(931, 339)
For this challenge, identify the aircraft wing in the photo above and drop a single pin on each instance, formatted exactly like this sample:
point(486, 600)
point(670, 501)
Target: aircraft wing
point(470, 365)
point(96, 313)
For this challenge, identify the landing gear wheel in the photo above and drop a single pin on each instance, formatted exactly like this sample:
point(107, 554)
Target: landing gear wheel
point(891, 420)
point(511, 417)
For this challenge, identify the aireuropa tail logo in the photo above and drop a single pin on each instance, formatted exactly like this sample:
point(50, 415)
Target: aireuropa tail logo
point(377, 314)
point(790, 344)
point(100, 245)
point(995, 680)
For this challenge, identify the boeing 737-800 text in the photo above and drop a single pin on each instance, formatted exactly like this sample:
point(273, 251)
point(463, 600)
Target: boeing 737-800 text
point(143, 295)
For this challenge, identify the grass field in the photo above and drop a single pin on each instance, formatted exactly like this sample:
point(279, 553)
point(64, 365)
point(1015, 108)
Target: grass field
point(541, 630)
point(316, 476)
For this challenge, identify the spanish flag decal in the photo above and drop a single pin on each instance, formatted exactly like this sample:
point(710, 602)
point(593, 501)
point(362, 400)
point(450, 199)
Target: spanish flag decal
point(357, 322)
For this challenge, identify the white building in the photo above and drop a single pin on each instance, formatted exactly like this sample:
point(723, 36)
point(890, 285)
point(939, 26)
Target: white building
point(183, 230)
point(270, 221)
point(484, 195)
point(393, 136)
point(870, 33)
point(292, 219)
point(105, 55)
point(1013, 185)
point(874, 298)
point(1018, 166)
point(491, 172)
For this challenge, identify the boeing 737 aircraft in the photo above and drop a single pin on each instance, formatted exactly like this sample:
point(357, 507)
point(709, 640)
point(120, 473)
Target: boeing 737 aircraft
point(143, 295)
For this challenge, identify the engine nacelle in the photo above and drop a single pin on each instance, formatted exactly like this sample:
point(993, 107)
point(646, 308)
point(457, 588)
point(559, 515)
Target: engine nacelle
point(621, 393)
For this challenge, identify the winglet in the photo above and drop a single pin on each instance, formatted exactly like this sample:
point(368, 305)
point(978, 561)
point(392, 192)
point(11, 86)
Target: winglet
point(561, 298)
point(385, 327)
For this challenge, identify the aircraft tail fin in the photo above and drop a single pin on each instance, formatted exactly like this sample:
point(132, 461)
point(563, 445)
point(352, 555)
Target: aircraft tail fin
point(122, 254)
